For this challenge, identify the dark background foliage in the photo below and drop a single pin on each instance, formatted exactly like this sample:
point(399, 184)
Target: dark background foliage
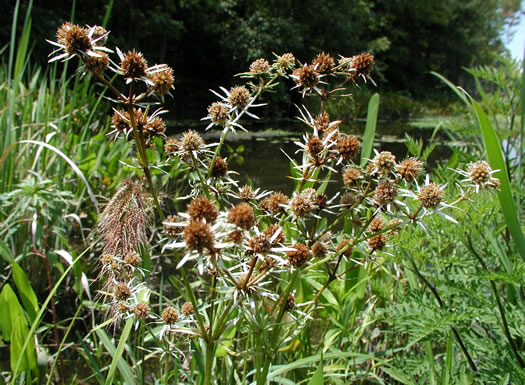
point(208, 41)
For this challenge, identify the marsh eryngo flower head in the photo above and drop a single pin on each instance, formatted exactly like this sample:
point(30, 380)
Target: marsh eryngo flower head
point(187, 309)
point(239, 97)
point(479, 174)
point(141, 311)
point(198, 236)
point(285, 62)
point(260, 67)
point(348, 147)
point(385, 193)
point(299, 255)
point(323, 63)
point(242, 216)
point(201, 208)
point(306, 76)
point(409, 169)
point(162, 81)
point(275, 203)
point(383, 163)
point(169, 315)
point(431, 195)
point(218, 113)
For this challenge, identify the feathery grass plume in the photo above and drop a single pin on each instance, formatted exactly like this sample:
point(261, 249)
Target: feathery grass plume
point(124, 222)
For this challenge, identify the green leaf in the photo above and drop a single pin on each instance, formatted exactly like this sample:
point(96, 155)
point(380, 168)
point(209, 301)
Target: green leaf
point(317, 378)
point(26, 292)
point(23, 357)
point(5, 252)
point(497, 162)
point(370, 129)
point(11, 309)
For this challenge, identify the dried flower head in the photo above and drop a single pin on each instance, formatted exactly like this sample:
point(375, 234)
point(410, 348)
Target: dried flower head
point(96, 64)
point(141, 311)
point(479, 172)
point(239, 97)
point(220, 168)
point(315, 146)
point(324, 63)
point(99, 35)
point(134, 65)
point(198, 236)
point(162, 81)
point(395, 225)
point(107, 259)
point(385, 193)
point(123, 307)
point(348, 147)
point(218, 113)
point(274, 233)
point(170, 227)
point(299, 256)
point(120, 121)
point(409, 169)
point(170, 315)
point(121, 291)
point(306, 76)
point(260, 66)
point(319, 249)
point(301, 205)
point(154, 126)
point(430, 195)
point(242, 215)
point(347, 246)
point(290, 303)
point(75, 38)
point(246, 193)
point(377, 242)
point(351, 176)
point(363, 63)
point(171, 146)
point(285, 62)
point(383, 163)
point(274, 203)
point(133, 259)
point(321, 201)
point(202, 208)
point(348, 199)
point(377, 224)
point(187, 309)
point(259, 244)
point(191, 141)
point(236, 236)
point(322, 122)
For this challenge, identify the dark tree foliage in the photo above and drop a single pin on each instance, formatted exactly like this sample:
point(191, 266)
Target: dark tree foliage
point(208, 41)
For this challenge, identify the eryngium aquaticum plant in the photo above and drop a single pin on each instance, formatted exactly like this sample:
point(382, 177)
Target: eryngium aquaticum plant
point(241, 252)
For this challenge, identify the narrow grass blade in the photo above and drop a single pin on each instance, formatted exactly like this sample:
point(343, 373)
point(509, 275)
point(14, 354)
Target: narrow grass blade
point(452, 86)
point(370, 130)
point(497, 162)
point(317, 378)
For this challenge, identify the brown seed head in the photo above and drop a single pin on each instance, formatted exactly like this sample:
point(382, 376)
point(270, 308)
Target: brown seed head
point(75, 38)
point(120, 121)
point(479, 172)
point(242, 215)
point(170, 315)
point(285, 62)
point(107, 259)
point(239, 97)
point(385, 193)
point(319, 249)
point(409, 169)
point(321, 201)
point(133, 259)
point(271, 232)
point(123, 307)
point(384, 163)
point(141, 311)
point(191, 141)
point(198, 235)
point(267, 264)
point(301, 205)
point(259, 244)
point(96, 64)
point(377, 242)
point(322, 122)
point(363, 63)
point(324, 63)
point(431, 195)
point(100, 33)
point(121, 291)
point(171, 145)
point(134, 65)
point(259, 66)
point(351, 176)
point(202, 208)
point(290, 303)
point(299, 256)
point(377, 224)
point(162, 81)
point(236, 236)
point(218, 113)
point(306, 76)
point(274, 203)
point(220, 168)
point(155, 126)
point(315, 146)
point(246, 193)
point(187, 309)
point(348, 199)
point(396, 226)
point(170, 229)
point(343, 244)
point(348, 147)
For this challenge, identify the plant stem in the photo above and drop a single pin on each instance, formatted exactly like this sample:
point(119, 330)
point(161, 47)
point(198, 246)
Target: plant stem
point(210, 348)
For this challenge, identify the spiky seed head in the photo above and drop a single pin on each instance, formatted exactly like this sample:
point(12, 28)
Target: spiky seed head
point(384, 162)
point(96, 64)
point(120, 121)
point(299, 256)
point(271, 231)
point(187, 309)
point(191, 141)
point(198, 236)
point(259, 244)
point(341, 245)
point(220, 168)
point(324, 63)
point(218, 113)
point(242, 215)
point(395, 223)
point(236, 236)
point(409, 169)
point(133, 259)
point(162, 81)
point(202, 208)
point(319, 249)
point(123, 307)
point(348, 199)
point(155, 126)
point(315, 146)
point(170, 229)
point(306, 76)
point(75, 38)
point(171, 146)
point(267, 264)
point(239, 97)
point(274, 203)
point(134, 65)
point(99, 32)
point(285, 62)
point(107, 259)
point(377, 224)
point(141, 311)
point(351, 176)
point(246, 193)
point(363, 63)
point(259, 66)
point(348, 147)
point(321, 201)
point(322, 122)
point(479, 172)
point(377, 242)
point(121, 291)
point(170, 315)
point(430, 195)
point(385, 193)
